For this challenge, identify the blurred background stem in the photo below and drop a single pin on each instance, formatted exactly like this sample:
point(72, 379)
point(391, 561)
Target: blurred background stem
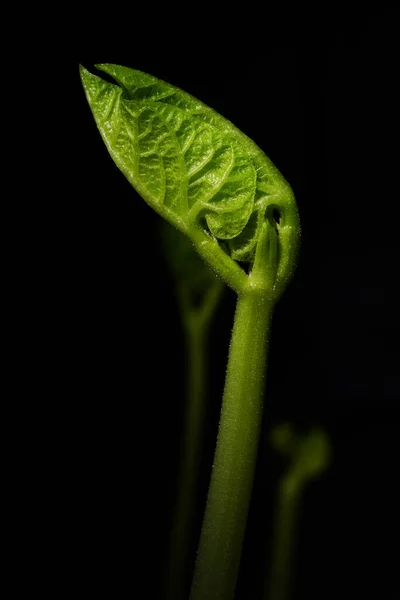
point(284, 535)
point(309, 455)
point(198, 293)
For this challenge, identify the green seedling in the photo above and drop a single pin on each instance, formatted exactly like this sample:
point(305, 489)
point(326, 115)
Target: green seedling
point(216, 186)
point(309, 456)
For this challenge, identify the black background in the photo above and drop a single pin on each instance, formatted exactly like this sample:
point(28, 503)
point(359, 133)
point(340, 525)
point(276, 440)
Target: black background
point(323, 110)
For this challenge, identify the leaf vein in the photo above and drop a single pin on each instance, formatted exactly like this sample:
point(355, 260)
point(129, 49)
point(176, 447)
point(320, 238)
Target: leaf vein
point(200, 166)
point(112, 103)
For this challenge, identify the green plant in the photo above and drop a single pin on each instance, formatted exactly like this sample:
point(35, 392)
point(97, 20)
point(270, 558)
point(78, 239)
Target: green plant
point(308, 455)
point(218, 188)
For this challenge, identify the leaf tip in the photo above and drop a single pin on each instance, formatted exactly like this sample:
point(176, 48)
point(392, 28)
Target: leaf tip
point(85, 75)
point(90, 82)
point(108, 68)
point(82, 70)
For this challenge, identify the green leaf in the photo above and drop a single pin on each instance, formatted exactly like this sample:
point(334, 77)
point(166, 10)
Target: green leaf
point(190, 164)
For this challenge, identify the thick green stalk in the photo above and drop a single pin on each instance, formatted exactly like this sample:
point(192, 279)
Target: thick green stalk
point(235, 457)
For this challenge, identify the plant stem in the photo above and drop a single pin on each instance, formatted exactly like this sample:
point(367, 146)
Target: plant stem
point(196, 325)
point(235, 457)
point(288, 499)
point(310, 455)
point(190, 452)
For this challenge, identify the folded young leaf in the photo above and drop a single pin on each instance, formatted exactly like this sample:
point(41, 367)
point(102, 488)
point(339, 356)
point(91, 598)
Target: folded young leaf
point(194, 167)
